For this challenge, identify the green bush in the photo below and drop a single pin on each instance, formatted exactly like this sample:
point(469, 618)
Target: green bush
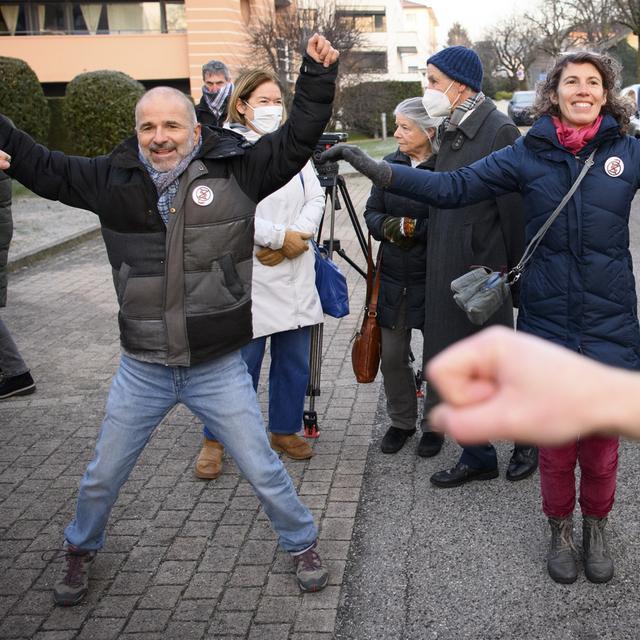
point(503, 95)
point(58, 137)
point(22, 98)
point(362, 104)
point(98, 110)
point(626, 55)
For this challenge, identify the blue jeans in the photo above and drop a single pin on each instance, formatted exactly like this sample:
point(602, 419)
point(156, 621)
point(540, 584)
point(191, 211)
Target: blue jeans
point(288, 377)
point(220, 394)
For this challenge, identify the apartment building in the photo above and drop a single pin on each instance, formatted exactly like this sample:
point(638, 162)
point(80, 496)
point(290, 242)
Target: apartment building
point(398, 36)
point(167, 41)
point(157, 41)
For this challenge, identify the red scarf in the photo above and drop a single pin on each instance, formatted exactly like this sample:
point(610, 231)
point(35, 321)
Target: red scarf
point(575, 139)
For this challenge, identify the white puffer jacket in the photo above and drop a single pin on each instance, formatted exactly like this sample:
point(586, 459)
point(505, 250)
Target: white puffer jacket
point(284, 297)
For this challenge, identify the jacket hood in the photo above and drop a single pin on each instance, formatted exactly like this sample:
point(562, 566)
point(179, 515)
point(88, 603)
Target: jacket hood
point(216, 143)
point(542, 135)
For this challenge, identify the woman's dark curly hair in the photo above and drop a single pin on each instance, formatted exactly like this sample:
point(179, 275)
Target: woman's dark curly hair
point(609, 70)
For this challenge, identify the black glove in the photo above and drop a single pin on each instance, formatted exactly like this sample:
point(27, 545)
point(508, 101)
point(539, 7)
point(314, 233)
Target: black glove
point(378, 172)
point(392, 231)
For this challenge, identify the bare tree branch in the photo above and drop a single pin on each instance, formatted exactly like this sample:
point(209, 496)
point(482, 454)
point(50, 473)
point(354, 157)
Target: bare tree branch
point(553, 24)
point(278, 39)
point(595, 25)
point(516, 47)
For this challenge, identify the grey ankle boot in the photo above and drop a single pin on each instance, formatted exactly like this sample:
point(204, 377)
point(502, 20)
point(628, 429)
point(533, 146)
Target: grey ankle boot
point(561, 559)
point(598, 565)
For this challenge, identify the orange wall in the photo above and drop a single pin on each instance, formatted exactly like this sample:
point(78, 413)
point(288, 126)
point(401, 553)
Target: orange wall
point(61, 58)
point(215, 30)
point(219, 31)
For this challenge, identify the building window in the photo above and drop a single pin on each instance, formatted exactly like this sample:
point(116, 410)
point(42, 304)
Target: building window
point(364, 21)
point(41, 18)
point(368, 61)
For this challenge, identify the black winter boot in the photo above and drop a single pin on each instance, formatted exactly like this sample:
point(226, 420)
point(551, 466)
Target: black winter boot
point(598, 565)
point(561, 559)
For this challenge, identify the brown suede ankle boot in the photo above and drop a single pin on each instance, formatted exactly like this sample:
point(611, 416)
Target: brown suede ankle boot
point(291, 444)
point(209, 462)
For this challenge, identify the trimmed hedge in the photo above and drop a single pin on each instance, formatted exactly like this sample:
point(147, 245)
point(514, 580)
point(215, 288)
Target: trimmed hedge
point(22, 98)
point(98, 110)
point(363, 103)
point(58, 138)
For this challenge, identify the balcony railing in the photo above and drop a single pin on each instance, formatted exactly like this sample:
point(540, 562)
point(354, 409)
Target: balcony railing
point(79, 18)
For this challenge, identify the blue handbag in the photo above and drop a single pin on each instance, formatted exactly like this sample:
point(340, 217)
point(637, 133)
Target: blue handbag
point(331, 284)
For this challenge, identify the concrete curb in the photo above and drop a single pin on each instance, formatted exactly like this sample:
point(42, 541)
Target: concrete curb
point(53, 248)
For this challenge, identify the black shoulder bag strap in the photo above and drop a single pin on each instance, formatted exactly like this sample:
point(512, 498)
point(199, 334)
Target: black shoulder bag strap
point(516, 272)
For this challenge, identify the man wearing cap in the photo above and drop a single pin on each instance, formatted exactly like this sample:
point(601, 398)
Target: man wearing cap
point(490, 233)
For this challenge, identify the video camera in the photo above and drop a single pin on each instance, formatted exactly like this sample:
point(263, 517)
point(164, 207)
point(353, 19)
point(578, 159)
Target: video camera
point(327, 171)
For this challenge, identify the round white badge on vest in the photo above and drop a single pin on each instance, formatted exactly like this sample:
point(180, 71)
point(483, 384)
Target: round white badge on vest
point(614, 166)
point(202, 196)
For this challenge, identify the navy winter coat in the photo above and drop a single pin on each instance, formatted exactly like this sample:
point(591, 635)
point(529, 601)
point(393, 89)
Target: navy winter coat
point(403, 270)
point(578, 290)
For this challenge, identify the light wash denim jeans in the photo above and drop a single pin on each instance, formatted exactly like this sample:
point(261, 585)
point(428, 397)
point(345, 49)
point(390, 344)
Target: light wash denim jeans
point(221, 395)
point(288, 377)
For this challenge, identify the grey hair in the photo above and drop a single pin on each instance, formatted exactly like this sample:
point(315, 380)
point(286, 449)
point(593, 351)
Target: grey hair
point(170, 91)
point(413, 109)
point(215, 66)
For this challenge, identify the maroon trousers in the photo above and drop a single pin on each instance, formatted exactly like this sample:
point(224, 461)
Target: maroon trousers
point(598, 460)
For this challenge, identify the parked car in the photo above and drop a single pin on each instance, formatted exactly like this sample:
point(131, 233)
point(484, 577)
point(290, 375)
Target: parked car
point(632, 93)
point(520, 107)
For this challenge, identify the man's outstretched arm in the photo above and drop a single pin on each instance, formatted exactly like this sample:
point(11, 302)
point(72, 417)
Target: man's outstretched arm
point(74, 180)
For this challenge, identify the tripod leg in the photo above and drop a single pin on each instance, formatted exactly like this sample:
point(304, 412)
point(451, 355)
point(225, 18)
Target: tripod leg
point(310, 417)
point(355, 223)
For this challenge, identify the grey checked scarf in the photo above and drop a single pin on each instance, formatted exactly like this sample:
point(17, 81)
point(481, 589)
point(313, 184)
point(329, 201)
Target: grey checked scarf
point(215, 101)
point(451, 122)
point(167, 181)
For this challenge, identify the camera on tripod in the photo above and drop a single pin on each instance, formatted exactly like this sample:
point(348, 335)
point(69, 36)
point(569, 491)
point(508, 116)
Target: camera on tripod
point(327, 171)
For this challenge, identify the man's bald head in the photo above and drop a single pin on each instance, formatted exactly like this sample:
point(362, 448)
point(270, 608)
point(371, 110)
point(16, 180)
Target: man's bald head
point(166, 127)
point(167, 94)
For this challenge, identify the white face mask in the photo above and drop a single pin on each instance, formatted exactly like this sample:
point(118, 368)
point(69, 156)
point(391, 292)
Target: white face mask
point(437, 103)
point(266, 119)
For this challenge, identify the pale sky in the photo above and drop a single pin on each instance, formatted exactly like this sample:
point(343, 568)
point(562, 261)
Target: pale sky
point(474, 15)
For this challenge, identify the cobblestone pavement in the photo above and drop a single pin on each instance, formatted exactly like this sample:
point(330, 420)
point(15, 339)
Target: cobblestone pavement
point(183, 558)
point(189, 559)
point(39, 224)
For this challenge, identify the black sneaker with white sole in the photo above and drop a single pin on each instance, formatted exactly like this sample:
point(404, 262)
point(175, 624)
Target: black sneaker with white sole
point(21, 385)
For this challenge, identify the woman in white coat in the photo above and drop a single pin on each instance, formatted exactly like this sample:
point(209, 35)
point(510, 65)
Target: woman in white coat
point(285, 302)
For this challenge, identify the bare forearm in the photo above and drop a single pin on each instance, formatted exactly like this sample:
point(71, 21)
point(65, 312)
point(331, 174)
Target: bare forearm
point(614, 404)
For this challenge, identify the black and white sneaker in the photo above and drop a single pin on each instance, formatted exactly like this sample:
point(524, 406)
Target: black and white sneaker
point(21, 385)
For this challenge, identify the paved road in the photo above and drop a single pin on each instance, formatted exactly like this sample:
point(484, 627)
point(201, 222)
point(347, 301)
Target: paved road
point(469, 563)
point(189, 559)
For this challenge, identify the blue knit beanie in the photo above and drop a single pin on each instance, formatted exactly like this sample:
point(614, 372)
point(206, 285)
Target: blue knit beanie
point(460, 64)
